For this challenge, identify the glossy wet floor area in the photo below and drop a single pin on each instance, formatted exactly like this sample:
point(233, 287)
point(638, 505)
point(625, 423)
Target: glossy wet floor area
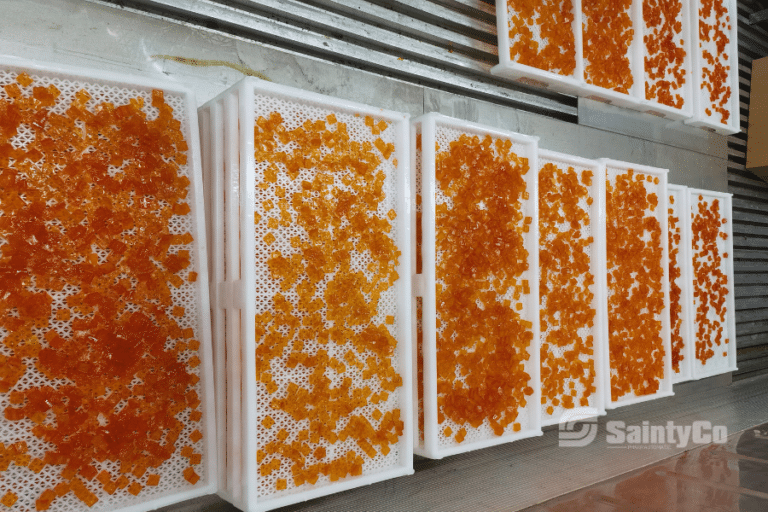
point(727, 477)
point(600, 473)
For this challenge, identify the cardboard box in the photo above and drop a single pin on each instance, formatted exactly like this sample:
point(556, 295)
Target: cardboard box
point(757, 133)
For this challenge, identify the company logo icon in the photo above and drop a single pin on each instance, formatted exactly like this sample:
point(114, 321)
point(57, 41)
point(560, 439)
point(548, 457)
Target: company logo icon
point(578, 427)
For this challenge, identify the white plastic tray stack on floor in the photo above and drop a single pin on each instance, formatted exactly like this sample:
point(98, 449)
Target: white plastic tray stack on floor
point(613, 169)
point(595, 228)
point(702, 103)
point(527, 74)
point(576, 83)
point(211, 118)
point(246, 193)
point(680, 210)
point(156, 485)
point(436, 132)
point(724, 358)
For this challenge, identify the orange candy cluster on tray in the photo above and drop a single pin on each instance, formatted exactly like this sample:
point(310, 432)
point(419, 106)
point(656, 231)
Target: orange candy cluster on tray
point(710, 282)
point(607, 34)
point(419, 300)
point(635, 291)
point(715, 68)
point(93, 355)
point(567, 358)
point(324, 353)
point(664, 51)
point(482, 342)
point(549, 21)
point(420, 364)
point(675, 292)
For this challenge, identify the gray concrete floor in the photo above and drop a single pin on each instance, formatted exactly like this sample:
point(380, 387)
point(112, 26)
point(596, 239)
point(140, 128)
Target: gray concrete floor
point(730, 477)
point(608, 476)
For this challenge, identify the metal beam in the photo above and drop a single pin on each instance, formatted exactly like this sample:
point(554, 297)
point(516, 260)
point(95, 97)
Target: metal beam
point(758, 17)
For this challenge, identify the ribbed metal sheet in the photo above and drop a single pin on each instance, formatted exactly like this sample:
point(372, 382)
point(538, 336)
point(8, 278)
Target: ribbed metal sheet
point(750, 214)
point(444, 44)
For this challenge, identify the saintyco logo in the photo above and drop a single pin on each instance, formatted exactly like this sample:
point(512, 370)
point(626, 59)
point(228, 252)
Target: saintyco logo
point(578, 427)
point(700, 432)
point(571, 437)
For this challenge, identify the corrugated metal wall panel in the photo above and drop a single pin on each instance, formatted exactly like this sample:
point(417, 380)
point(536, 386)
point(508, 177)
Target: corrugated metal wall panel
point(750, 215)
point(444, 44)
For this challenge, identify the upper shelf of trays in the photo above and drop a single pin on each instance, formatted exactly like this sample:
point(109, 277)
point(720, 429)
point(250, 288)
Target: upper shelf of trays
point(646, 55)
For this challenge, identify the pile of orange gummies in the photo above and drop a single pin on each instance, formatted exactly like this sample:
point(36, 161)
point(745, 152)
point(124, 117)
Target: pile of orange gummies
point(94, 359)
point(552, 22)
point(419, 301)
point(322, 327)
point(675, 292)
point(567, 358)
point(714, 72)
point(710, 282)
point(635, 291)
point(482, 341)
point(664, 51)
point(607, 33)
point(420, 365)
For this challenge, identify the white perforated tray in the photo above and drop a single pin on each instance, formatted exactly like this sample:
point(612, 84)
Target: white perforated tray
point(724, 358)
point(117, 90)
point(613, 169)
point(576, 84)
point(681, 211)
point(246, 289)
point(212, 144)
point(701, 98)
point(635, 55)
point(436, 131)
point(530, 75)
point(682, 39)
point(595, 253)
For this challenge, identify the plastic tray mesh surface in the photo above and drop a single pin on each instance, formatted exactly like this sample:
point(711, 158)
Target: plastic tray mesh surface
point(419, 438)
point(635, 290)
point(716, 60)
point(664, 51)
point(568, 251)
point(608, 29)
point(449, 369)
point(678, 284)
point(328, 385)
point(710, 255)
point(541, 35)
point(99, 343)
